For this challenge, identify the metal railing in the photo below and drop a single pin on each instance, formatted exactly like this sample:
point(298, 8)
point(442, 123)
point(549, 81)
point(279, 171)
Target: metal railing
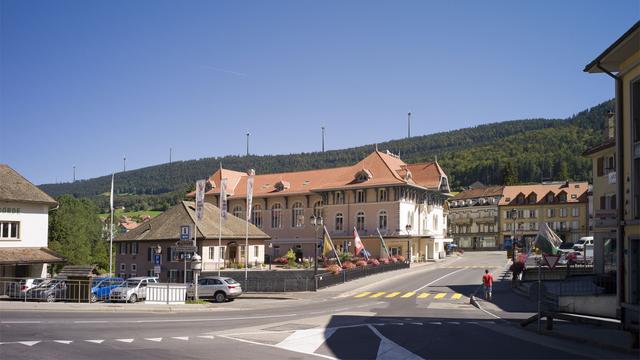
point(329, 279)
point(49, 290)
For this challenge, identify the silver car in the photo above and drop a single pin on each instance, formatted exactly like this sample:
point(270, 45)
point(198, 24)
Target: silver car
point(218, 288)
point(132, 290)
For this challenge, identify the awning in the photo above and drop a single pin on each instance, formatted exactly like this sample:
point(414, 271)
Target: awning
point(25, 256)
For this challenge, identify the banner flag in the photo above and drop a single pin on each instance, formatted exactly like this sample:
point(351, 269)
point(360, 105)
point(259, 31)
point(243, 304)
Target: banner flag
point(546, 240)
point(223, 198)
point(249, 196)
point(328, 246)
point(200, 187)
point(111, 198)
point(384, 245)
point(358, 245)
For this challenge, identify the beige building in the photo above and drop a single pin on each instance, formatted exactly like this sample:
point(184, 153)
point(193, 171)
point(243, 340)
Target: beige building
point(603, 158)
point(473, 218)
point(621, 61)
point(404, 201)
point(562, 205)
point(136, 249)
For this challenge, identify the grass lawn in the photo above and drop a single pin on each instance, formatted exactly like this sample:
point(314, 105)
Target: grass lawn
point(131, 214)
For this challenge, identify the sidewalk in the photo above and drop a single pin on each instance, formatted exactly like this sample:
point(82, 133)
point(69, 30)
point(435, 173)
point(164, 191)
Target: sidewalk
point(515, 305)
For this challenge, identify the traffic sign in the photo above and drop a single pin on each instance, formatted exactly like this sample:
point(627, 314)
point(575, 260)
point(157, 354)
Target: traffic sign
point(156, 269)
point(186, 249)
point(157, 259)
point(185, 232)
point(551, 260)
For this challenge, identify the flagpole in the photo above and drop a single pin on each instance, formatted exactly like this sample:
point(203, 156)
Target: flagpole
point(333, 246)
point(111, 230)
point(384, 245)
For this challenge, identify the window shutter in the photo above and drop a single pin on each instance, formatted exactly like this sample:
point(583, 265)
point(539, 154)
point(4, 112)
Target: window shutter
point(600, 166)
point(603, 202)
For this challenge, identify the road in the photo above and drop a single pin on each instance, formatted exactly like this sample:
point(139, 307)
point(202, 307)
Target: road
point(423, 312)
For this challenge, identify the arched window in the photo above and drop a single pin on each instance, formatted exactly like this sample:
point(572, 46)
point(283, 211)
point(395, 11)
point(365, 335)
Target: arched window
point(237, 212)
point(256, 216)
point(339, 222)
point(360, 220)
point(382, 220)
point(297, 215)
point(317, 208)
point(276, 216)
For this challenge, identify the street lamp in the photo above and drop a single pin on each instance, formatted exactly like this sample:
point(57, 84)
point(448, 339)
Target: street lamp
point(514, 217)
point(156, 269)
point(317, 222)
point(196, 266)
point(271, 258)
point(408, 229)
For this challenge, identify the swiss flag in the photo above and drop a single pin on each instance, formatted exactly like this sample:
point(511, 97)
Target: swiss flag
point(359, 246)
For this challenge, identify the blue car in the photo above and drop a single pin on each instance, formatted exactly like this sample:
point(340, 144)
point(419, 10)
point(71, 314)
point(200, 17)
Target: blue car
point(101, 287)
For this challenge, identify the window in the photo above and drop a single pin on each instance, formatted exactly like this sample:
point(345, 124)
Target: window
point(575, 224)
point(134, 248)
point(123, 249)
point(551, 212)
point(134, 267)
point(339, 222)
point(550, 198)
point(563, 212)
point(9, 230)
point(297, 215)
point(212, 252)
point(600, 166)
point(242, 252)
point(635, 151)
point(123, 267)
point(382, 220)
point(533, 198)
point(360, 220)
point(276, 216)
point(360, 196)
point(339, 197)
point(237, 211)
point(256, 217)
point(383, 195)
point(317, 209)
point(575, 211)
point(533, 214)
point(562, 197)
point(256, 251)
point(396, 250)
point(173, 275)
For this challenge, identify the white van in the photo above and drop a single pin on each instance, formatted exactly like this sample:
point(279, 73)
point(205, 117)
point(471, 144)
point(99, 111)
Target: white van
point(584, 241)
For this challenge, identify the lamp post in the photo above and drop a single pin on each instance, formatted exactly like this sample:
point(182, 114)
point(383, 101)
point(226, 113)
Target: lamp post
point(514, 217)
point(196, 266)
point(271, 258)
point(408, 228)
point(317, 222)
point(158, 251)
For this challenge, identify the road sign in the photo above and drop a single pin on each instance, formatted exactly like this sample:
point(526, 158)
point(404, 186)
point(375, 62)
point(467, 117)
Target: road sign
point(186, 249)
point(551, 260)
point(185, 232)
point(156, 269)
point(157, 259)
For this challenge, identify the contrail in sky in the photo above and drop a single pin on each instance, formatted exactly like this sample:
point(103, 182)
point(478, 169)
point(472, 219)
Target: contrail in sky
point(225, 71)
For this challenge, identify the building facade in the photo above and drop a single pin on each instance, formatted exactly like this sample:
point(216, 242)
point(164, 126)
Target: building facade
point(603, 158)
point(223, 248)
point(621, 61)
point(473, 219)
point(562, 205)
point(24, 227)
point(405, 202)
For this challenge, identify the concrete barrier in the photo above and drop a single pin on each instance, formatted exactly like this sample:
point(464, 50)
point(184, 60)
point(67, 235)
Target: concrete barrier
point(596, 305)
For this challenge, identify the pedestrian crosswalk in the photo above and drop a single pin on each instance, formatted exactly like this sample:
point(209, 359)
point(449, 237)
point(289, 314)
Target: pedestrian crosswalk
point(408, 295)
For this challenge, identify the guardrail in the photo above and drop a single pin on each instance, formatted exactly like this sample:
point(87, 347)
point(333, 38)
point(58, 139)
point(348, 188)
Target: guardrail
point(166, 293)
point(49, 290)
point(329, 279)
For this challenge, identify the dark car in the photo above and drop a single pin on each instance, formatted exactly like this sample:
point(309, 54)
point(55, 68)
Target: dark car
point(49, 291)
point(101, 287)
point(566, 245)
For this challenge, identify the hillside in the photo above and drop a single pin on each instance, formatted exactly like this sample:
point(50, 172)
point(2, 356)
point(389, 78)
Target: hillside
point(549, 148)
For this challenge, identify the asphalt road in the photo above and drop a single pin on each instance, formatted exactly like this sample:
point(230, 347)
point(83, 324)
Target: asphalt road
point(419, 313)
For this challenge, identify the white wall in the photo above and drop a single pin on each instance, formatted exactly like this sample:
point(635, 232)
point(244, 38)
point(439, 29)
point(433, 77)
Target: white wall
point(34, 224)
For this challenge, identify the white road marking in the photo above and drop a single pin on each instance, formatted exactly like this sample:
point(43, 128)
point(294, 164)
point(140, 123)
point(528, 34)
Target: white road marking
point(154, 339)
point(158, 320)
point(273, 346)
point(206, 337)
point(66, 342)
point(90, 321)
point(20, 322)
point(125, 340)
point(435, 323)
point(183, 338)
point(389, 350)
point(416, 323)
point(306, 341)
point(438, 279)
point(95, 341)
point(28, 343)
point(453, 323)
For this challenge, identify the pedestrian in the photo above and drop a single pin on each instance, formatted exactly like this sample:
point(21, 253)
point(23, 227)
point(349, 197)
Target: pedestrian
point(487, 282)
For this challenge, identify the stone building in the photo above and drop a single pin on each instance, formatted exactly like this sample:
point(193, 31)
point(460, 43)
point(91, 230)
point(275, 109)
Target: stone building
point(473, 219)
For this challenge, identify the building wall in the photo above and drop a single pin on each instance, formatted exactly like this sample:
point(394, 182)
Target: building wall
point(528, 226)
point(34, 223)
point(475, 227)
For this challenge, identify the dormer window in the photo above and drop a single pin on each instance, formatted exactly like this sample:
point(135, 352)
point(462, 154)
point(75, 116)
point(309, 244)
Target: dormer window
point(282, 185)
point(408, 176)
point(533, 198)
point(444, 184)
point(550, 198)
point(363, 175)
point(562, 197)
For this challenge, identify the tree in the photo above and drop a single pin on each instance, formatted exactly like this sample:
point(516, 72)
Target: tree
point(509, 174)
point(563, 172)
point(75, 232)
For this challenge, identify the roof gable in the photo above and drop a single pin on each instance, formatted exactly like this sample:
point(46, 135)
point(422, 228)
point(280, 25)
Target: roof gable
point(16, 188)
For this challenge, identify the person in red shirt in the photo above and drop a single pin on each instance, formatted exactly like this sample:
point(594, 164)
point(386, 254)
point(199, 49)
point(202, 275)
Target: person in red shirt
point(487, 282)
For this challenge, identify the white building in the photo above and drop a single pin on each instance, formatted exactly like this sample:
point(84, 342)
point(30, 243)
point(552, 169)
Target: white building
point(24, 227)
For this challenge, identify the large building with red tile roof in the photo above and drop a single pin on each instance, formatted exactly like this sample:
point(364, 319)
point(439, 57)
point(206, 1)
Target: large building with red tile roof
point(404, 201)
point(473, 218)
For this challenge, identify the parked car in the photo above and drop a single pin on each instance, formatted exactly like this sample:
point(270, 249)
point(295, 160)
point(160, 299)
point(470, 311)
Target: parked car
point(586, 240)
point(49, 291)
point(132, 289)
point(218, 288)
point(101, 287)
point(566, 245)
point(19, 288)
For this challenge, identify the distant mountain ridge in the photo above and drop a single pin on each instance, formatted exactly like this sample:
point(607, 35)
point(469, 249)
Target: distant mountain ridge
point(537, 148)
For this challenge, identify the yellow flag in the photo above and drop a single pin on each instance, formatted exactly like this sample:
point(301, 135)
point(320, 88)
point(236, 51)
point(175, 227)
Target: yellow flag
point(326, 245)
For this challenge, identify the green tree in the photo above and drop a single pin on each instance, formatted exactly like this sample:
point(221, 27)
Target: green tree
point(563, 172)
point(75, 232)
point(509, 174)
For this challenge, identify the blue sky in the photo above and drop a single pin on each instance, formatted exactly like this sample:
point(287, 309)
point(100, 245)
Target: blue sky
point(85, 82)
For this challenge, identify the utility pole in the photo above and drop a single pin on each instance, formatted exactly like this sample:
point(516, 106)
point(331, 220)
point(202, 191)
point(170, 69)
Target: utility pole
point(124, 163)
point(74, 173)
point(323, 139)
point(409, 125)
point(248, 134)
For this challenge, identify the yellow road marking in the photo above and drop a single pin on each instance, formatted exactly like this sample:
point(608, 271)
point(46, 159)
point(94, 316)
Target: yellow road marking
point(378, 294)
point(440, 296)
point(393, 294)
point(456, 296)
point(408, 295)
point(424, 295)
point(363, 294)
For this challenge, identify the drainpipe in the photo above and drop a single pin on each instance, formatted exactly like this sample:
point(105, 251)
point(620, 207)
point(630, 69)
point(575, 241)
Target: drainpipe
point(620, 285)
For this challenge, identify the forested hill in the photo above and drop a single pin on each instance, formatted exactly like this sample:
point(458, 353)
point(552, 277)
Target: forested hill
point(536, 148)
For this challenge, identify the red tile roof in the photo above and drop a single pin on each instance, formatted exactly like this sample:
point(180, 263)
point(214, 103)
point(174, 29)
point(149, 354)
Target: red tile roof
point(576, 192)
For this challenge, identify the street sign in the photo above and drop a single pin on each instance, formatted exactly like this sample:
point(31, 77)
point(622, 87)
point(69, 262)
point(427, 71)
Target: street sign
point(186, 249)
point(156, 269)
point(551, 260)
point(507, 244)
point(185, 232)
point(157, 259)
